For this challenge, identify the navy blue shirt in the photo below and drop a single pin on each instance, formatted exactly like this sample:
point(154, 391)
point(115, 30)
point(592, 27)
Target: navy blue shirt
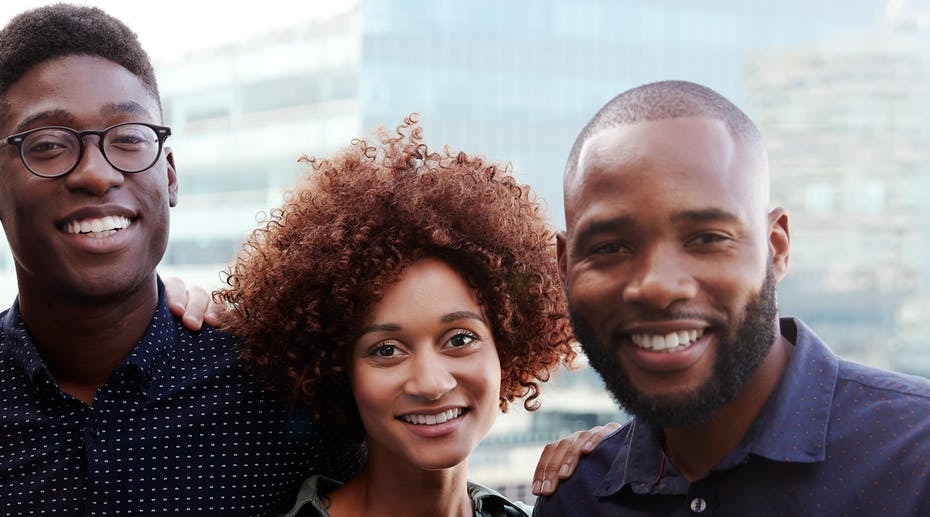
point(835, 438)
point(178, 429)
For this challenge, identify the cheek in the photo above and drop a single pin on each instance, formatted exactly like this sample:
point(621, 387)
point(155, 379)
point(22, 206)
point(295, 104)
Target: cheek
point(593, 291)
point(369, 389)
point(491, 375)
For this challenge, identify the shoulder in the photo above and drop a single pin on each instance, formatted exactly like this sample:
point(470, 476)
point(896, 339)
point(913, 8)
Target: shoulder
point(861, 377)
point(603, 471)
point(881, 402)
point(611, 449)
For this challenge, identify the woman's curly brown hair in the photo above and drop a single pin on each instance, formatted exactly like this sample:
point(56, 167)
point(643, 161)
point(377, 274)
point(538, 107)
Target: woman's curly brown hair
point(306, 280)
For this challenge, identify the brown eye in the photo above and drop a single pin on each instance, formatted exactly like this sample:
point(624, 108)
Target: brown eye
point(462, 339)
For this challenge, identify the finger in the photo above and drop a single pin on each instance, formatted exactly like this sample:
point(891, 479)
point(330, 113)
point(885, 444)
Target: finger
point(175, 295)
point(585, 442)
point(552, 465)
point(559, 459)
point(215, 313)
point(598, 434)
point(197, 301)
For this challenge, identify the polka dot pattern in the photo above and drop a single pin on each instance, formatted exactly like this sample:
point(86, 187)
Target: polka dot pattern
point(178, 429)
point(836, 438)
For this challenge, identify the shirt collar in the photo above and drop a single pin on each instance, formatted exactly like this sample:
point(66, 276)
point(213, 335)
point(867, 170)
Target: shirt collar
point(642, 465)
point(18, 343)
point(487, 501)
point(149, 358)
point(791, 427)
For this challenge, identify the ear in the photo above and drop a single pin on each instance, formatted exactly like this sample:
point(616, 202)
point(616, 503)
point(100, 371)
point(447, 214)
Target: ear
point(779, 241)
point(562, 254)
point(172, 178)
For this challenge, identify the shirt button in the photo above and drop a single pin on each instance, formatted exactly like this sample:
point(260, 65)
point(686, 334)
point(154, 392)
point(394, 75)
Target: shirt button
point(698, 505)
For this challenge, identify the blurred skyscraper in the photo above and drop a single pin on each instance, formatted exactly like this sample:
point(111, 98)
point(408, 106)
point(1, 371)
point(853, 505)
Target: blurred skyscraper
point(845, 120)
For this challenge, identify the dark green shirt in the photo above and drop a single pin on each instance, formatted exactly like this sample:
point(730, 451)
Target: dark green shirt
point(486, 502)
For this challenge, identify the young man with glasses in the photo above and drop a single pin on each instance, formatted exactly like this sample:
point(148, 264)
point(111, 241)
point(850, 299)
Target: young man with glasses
point(107, 404)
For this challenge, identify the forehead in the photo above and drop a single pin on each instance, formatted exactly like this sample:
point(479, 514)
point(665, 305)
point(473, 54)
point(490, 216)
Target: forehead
point(426, 285)
point(79, 87)
point(691, 162)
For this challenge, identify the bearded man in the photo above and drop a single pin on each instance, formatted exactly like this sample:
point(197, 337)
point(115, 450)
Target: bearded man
point(670, 258)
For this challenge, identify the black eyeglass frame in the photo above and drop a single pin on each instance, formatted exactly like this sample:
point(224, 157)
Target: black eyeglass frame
point(161, 133)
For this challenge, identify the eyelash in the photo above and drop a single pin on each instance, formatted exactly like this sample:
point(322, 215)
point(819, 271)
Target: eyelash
point(459, 333)
point(376, 350)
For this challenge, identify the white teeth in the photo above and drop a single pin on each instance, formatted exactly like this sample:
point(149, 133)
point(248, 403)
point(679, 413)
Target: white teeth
point(670, 342)
point(99, 227)
point(439, 418)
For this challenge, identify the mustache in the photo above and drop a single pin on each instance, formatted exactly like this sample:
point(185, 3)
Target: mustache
point(644, 316)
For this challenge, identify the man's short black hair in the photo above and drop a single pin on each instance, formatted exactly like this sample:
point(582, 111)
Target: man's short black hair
point(36, 36)
point(664, 100)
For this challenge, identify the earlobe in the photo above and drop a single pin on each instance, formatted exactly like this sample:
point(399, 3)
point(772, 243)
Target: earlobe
point(779, 241)
point(172, 178)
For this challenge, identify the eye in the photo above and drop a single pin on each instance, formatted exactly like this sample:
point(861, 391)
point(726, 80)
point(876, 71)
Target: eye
point(461, 338)
point(384, 350)
point(707, 238)
point(43, 144)
point(130, 138)
point(607, 249)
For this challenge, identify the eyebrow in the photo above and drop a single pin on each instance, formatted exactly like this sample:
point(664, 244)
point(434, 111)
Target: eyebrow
point(448, 318)
point(705, 216)
point(109, 109)
point(602, 226)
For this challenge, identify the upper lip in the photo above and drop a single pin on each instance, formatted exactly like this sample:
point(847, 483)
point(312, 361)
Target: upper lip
point(95, 212)
point(432, 410)
point(663, 327)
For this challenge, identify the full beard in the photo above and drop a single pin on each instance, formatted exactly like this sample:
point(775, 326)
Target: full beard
point(736, 359)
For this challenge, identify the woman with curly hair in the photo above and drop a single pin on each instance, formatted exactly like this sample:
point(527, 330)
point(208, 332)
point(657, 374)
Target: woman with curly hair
point(405, 296)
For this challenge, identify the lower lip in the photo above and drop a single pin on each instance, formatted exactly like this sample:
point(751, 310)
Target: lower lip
point(97, 245)
point(663, 361)
point(435, 430)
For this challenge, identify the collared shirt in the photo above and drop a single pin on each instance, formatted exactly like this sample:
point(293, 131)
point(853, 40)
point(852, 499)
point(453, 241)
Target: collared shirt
point(178, 429)
point(486, 502)
point(835, 438)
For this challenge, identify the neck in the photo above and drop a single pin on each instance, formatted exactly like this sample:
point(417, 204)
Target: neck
point(83, 340)
point(696, 449)
point(390, 488)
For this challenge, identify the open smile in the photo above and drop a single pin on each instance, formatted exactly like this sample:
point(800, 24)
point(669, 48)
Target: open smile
point(433, 418)
point(669, 342)
point(97, 227)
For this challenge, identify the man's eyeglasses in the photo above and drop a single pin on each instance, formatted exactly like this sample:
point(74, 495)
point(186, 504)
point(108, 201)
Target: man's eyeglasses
point(54, 151)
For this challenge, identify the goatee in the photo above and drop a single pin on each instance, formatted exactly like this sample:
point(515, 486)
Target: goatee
point(738, 355)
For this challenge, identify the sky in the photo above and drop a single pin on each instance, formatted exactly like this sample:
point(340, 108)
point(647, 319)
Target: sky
point(168, 29)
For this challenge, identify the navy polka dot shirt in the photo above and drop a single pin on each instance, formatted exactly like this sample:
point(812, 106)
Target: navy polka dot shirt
point(835, 438)
point(178, 429)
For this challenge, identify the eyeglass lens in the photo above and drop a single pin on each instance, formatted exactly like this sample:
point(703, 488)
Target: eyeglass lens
point(128, 148)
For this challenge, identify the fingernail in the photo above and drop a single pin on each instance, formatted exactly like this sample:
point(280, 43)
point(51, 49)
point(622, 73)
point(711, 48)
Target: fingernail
point(536, 487)
point(563, 470)
point(547, 486)
point(588, 446)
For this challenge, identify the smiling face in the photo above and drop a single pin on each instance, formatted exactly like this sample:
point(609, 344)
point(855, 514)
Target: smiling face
point(95, 232)
point(425, 373)
point(670, 262)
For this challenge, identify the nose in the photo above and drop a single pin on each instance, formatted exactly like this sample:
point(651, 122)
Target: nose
point(93, 173)
point(430, 378)
point(661, 278)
